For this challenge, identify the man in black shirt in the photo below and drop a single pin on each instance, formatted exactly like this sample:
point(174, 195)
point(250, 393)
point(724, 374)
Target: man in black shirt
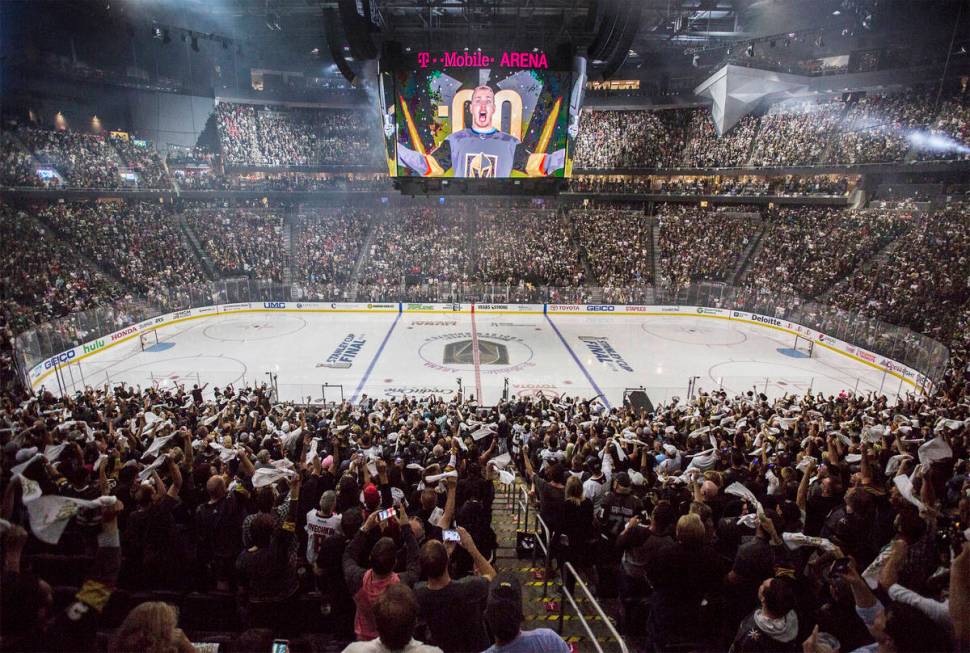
point(453, 609)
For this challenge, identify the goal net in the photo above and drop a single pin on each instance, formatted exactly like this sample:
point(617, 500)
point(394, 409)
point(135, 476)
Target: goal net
point(148, 339)
point(806, 346)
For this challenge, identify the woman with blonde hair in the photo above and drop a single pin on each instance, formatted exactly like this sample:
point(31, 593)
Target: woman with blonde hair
point(578, 537)
point(151, 627)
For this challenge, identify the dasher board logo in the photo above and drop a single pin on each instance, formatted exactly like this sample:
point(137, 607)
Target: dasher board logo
point(498, 353)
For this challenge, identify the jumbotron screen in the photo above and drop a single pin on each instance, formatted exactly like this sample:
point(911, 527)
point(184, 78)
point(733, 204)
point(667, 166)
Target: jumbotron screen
point(478, 115)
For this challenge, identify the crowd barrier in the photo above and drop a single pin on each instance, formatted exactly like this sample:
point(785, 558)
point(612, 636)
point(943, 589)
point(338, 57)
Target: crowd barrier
point(542, 539)
point(911, 357)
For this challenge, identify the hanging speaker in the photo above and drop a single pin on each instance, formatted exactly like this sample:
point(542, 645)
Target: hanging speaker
point(335, 43)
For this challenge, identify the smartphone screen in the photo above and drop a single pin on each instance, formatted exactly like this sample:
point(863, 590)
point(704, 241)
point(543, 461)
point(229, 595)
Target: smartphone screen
point(384, 515)
point(281, 646)
point(450, 535)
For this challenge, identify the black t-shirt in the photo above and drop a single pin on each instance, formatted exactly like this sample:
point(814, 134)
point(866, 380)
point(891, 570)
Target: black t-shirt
point(817, 509)
point(454, 614)
point(754, 561)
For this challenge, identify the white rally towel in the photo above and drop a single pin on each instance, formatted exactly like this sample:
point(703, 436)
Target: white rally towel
point(895, 462)
point(146, 473)
point(798, 540)
point(156, 446)
point(53, 451)
point(741, 491)
point(506, 478)
point(501, 461)
point(50, 513)
point(934, 450)
point(268, 475)
point(434, 478)
point(905, 487)
point(482, 432)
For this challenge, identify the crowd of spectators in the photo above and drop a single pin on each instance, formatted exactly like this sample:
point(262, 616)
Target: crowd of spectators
point(617, 245)
point(875, 127)
point(742, 522)
point(83, 160)
point(284, 137)
point(524, 247)
point(870, 129)
point(241, 241)
point(952, 123)
point(420, 246)
point(698, 244)
point(143, 159)
point(139, 243)
point(598, 184)
point(41, 276)
point(796, 133)
point(923, 282)
point(746, 185)
point(797, 186)
point(703, 148)
point(328, 245)
point(238, 134)
point(806, 250)
point(626, 139)
point(16, 167)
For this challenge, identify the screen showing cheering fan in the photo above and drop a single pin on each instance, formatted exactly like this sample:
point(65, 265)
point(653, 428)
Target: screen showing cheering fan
point(477, 116)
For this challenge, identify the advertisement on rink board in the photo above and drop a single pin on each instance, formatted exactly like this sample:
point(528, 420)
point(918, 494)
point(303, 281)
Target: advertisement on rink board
point(508, 308)
point(94, 346)
point(417, 307)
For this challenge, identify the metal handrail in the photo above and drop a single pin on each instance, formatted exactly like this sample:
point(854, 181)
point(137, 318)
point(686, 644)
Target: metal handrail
point(547, 549)
point(569, 569)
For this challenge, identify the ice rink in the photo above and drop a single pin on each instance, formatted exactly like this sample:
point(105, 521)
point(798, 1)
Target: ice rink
point(391, 354)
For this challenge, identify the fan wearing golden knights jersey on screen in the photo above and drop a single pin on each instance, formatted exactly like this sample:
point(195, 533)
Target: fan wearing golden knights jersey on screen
point(481, 150)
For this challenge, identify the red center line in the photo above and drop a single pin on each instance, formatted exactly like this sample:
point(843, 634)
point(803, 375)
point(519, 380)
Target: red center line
point(476, 359)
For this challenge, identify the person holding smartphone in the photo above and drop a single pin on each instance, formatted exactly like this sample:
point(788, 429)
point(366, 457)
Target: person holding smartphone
point(366, 585)
point(453, 609)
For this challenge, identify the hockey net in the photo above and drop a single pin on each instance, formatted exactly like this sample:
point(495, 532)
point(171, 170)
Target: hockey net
point(148, 339)
point(804, 345)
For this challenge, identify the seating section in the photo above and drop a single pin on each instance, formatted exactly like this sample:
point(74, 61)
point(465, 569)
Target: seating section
point(241, 242)
point(697, 244)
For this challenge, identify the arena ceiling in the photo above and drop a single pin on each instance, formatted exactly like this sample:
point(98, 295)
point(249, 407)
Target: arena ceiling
point(675, 38)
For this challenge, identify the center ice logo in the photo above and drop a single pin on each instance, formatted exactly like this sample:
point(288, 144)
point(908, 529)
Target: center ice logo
point(463, 353)
point(498, 353)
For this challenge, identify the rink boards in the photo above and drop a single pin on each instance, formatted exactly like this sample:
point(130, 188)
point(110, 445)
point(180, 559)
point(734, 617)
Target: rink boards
point(391, 349)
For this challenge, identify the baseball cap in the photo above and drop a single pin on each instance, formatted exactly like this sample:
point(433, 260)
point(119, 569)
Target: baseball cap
point(372, 496)
point(623, 479)
point(504, 604)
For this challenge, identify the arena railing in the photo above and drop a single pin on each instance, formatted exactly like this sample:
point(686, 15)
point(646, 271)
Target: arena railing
point(896, 343)
point(542, 539)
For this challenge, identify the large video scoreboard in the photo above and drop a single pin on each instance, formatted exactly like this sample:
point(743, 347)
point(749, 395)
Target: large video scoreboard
point(479, 115)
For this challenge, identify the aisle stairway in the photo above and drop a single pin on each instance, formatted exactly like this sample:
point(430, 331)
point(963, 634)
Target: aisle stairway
point(543, 612)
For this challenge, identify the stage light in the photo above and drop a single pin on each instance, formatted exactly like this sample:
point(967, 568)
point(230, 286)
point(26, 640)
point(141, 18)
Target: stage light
point(157, 33)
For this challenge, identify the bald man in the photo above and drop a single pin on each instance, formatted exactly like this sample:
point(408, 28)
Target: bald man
point(219, 531)
point(481, 150)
